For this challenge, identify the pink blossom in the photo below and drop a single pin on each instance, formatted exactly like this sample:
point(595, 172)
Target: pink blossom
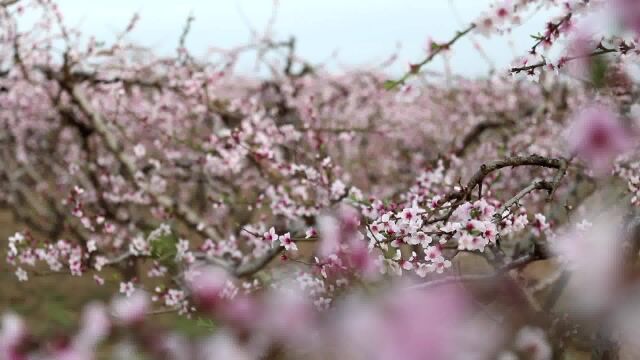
point(71, 352)
point(401, 325)
point(130, 310)
point(207, 285)
point(628, 11)
point(576, 59)
point(225, 346)
point(95, 326)
point(127, 288)
point(12, 333)
point(410, 330)
point(533, 342)
point(329, 230)
point(271, 235)
point(100, 142)
point(311, 232)
point(597, 137)
point(288, 316)
point(593, 255)
point(287, 242)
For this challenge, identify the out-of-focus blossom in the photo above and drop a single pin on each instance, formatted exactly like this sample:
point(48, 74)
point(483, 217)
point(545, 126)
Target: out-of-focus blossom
point(139, 150)
point(628, 11)
point(132, 309)
point(592, 254)
point(338, 230)
point(12, 333)
point(328, 227)
point(597, 137)
point(207, 285)
point(406, 324)
point(241, 312)
point(408, 93)
point(288, 316)
point(223, 345)
point(94, 327)
point(575, 58)
point(533, 342)
point(176, 347)
point(478, 337)
point(72, 353)
point(634, 113)
point(421, 324)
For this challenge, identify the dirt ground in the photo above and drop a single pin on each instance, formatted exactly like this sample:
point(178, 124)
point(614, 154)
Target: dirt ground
point(50, 303)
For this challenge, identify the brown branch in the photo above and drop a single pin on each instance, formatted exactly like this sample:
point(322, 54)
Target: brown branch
point(530, 68)
point(181, 211)
point(556, 291)
point(415, 68)
point(515, 161)
point(460, 196)
point(515, 264)
point(475, 133)
point(78, 76)
point(6, 3)
point(258, 264)
point(564, 164)
point(551, 30)
point(536, 185)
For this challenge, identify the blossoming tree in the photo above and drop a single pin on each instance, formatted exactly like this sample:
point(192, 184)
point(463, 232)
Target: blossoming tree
point(311, 214)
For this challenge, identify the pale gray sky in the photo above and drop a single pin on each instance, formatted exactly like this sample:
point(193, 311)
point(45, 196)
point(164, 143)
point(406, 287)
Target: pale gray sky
point(362, 31)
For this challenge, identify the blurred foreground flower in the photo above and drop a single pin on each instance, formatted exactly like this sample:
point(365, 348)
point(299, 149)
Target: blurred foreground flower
point(207, 285)
point(628, 11)
point(402, 324)
point(132, 309)
point(12, 334)
point(591, 251)
point(597, 137)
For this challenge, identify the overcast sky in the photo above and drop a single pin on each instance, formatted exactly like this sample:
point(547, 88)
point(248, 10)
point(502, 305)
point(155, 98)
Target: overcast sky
point(361, 31)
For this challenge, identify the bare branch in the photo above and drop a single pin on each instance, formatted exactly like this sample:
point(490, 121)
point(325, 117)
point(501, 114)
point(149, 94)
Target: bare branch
point(530, 68)
point(6, 3)
point(475, 133)
point(515, 264)
point(438, 48)
point(536, 185)
point(515, 161)
point(258, 264)
point(182, 211)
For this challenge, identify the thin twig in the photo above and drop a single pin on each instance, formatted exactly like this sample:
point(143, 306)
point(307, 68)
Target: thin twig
point(5, 3)
point(438, 48)
point(536, 185)
point(530, 68)
point(556, 291)
point(515, 161)
point(552, 29)
point(475, 133)
point(515, 264)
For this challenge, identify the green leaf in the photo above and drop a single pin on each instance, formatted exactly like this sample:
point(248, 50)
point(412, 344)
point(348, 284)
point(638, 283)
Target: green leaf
point(390, 84)
point(164, 248)
point(194, 327)
point(599, 67)
point(59, 314)
point(205, 323)
point(538, 36)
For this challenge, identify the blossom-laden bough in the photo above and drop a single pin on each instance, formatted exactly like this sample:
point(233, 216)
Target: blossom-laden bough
point(323, 215)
